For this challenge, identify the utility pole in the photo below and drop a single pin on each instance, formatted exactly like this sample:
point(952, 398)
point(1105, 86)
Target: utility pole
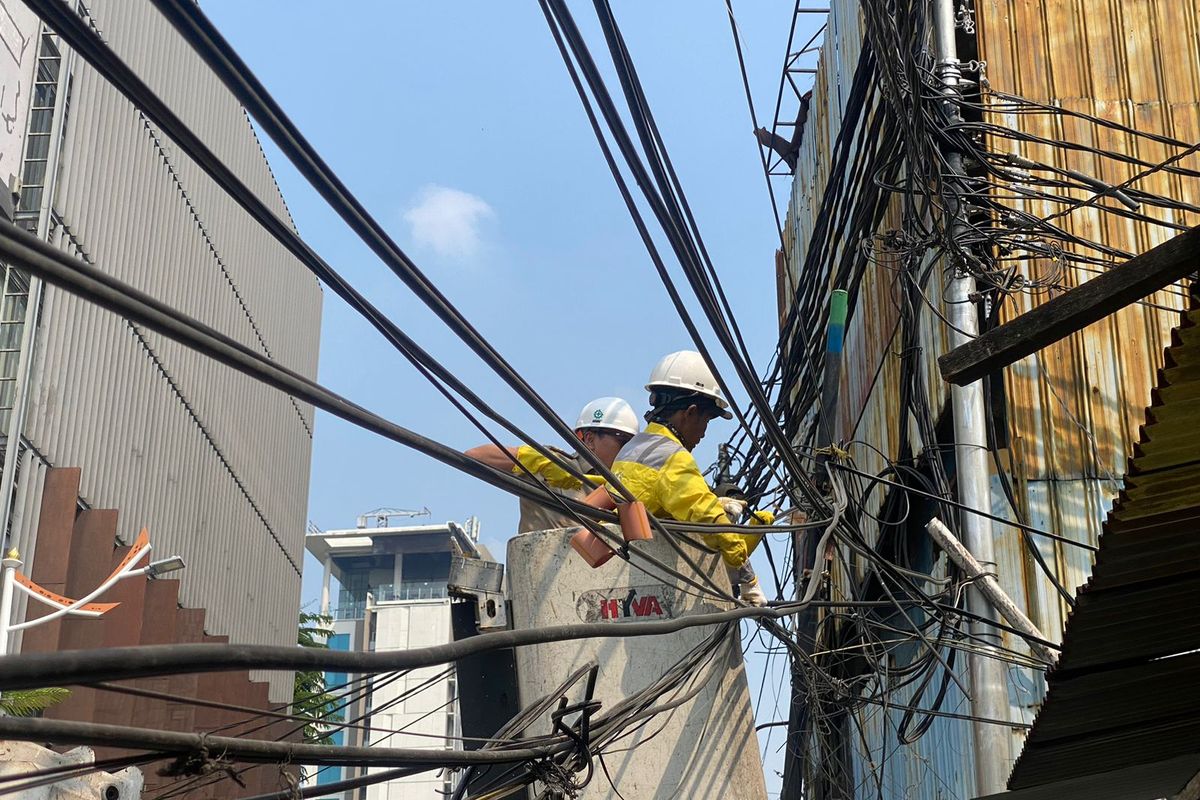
point(989, 694)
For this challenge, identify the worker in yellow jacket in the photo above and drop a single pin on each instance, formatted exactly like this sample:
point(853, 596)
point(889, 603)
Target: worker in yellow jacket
point(657, 465)
point(604, 426)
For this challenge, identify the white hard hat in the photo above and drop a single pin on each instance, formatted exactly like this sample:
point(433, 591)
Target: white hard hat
point(687, 371)
point(612, 413)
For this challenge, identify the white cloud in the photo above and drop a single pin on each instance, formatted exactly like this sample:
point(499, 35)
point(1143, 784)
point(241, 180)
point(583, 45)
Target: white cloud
point(448, 221)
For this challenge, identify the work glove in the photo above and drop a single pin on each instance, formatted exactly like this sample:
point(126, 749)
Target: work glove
point(733, 508)
point(753, 594)
point(743, 576)
point(752, 540)
point(762, 518)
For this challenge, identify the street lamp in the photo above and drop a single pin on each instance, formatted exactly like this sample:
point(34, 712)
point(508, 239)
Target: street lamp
point(64, 606)
point(156, 569)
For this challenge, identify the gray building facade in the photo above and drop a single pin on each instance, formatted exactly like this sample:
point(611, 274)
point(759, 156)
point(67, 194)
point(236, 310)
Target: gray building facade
point(215, 465)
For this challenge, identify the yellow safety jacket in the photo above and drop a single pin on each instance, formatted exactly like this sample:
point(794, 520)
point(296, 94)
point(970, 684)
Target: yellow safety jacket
point(536, 516)
point(660, 472)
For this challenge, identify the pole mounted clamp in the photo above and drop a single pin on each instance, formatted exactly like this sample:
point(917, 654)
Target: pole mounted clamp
point(965, 18)
point(483, 582)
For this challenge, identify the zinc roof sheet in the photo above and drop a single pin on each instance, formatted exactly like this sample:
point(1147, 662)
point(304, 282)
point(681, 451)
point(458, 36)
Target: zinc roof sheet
point(1124, 691)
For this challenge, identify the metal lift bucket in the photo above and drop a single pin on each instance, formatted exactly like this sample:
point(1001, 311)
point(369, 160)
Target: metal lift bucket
point(705, 749)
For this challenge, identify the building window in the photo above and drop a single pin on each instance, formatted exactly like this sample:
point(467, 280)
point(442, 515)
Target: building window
point(14, 283)
point(360, 576)
point(453, 732)
point(451, 712)
point(41, 121)
point(423, 576)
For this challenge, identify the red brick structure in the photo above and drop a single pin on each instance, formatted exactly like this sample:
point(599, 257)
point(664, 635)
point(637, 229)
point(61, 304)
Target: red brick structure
point(76, 550)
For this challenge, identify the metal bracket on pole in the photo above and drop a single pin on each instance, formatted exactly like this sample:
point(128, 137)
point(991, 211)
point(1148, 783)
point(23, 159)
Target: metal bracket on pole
point(991, 589)
point(483, 582)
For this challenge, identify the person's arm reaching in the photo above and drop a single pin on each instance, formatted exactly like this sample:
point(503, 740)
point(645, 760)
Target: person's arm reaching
point(505, 460)
point(496, 457)
point(686, 496)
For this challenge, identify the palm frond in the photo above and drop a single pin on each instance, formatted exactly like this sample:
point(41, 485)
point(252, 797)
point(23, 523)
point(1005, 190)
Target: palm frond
point(27, 702)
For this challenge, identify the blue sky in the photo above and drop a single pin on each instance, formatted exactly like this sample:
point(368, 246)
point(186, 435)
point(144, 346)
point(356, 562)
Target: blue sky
point(457, 126)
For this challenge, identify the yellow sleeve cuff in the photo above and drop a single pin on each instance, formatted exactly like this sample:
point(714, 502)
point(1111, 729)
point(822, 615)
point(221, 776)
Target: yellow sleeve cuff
point(544, 468)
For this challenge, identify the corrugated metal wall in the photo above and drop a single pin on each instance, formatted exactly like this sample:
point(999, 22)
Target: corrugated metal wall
point(213, 463)
point(1073, 411)
point(939, 764)
point(871, 368)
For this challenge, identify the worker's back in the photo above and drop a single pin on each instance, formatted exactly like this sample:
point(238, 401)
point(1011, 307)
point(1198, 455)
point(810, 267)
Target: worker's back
point(662, 473)
point(537, 516)
point(640, 463)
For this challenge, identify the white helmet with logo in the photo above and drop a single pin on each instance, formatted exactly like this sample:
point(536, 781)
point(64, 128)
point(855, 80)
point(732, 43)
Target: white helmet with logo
point(611, 413)
point(686, 372)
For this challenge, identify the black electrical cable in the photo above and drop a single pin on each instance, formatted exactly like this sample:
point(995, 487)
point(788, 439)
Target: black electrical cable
point(213, 48)
point(844, 238)
point(762, 151)
point(334, 787)
point(30, 670)
point(88, 43)
point(58, 268)
point(239, 749)
point(231, 70)
point(969, 510)
point(23, 782)
point(188, 785)
point(518, 723)
point(561, 22)
point(672, 189)
point(84, 279)
point(253, 714)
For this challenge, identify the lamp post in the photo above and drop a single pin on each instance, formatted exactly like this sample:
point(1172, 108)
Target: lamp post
point(13, 581)
point(10, 564)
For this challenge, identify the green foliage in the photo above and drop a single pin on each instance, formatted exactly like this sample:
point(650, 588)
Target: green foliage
point(310, 698)
point(30, 702)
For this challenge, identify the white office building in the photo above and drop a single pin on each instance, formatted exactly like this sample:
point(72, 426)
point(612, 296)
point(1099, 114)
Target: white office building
point(385, 587)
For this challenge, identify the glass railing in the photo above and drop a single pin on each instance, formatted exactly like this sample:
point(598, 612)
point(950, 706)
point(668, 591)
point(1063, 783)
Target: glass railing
point(412, 590)
point(350, 610)
point(355, 607)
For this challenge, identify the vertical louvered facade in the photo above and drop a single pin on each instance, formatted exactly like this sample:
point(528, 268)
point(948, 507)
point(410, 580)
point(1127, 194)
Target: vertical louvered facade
point(214, 464)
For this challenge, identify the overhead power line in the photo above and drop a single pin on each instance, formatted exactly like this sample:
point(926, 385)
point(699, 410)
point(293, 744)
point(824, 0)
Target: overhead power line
point(87, 42)
point(236, 75)
point(91, 666)
point(762, 150)
point(220, 56)
point(240, 749)
point(60, 269)
point(669, 209)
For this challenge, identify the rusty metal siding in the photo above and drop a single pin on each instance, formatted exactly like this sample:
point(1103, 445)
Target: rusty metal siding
point(871, 365)
point(938, 766)
point(1073, 410)
point(214, 464)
